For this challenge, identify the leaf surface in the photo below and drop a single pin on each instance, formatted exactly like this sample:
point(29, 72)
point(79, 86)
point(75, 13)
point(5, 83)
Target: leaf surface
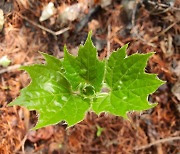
point(85, 68)
point(66, 89)
point(51, 95)
point(129, 85)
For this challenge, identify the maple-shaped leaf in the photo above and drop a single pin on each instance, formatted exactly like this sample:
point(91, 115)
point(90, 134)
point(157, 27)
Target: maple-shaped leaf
point(66, 89)
point(85, 68)
point(51, 95)
point(128, 83)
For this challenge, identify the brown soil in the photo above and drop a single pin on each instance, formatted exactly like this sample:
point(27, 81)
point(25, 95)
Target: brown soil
point(149, 26)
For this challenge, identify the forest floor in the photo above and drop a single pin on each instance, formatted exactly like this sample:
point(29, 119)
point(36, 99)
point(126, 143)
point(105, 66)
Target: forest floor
point(146, 25)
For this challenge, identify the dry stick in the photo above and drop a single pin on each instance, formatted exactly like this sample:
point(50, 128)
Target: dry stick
point(136, 33)
point(161, 12)
point(21, 145)
point(44, 28)
point(134, 13)
point(13, 67)
point(157, 142)
point(161, 33)
point(163, 5)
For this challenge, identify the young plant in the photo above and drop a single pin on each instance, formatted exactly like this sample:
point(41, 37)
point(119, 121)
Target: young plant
point(65, 89)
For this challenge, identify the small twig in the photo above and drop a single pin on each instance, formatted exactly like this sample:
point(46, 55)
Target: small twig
point(163, 32)
point(44, 28)
point(13, 67)
point(169, 139)
point(136, 33)
point(163, 5)
point(161, 12)
point(108, 41)
point(134, 13)
point(21, 145)
point(118, 41)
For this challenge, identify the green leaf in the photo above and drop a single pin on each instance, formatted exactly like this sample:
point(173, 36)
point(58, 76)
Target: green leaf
point(85, 68)
point(66, 89)
point(129, 85)
point(71, 69)
point(51, 95)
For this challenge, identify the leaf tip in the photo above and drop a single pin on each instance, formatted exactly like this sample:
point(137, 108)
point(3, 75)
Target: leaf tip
point(154, 104)
point(14, 102)
point(24, 68)
point(90, 34)
point(36, 127)
point(45, 55)
point(69, 126)
point(126, 45)
point(151, 53)
point(41, 52)
point(89, 38)
point(65, 50)
point(10, 104)
point(65, 47)
point(125, 116)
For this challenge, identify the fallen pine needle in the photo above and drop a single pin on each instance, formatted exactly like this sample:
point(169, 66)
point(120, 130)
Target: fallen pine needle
point(169, 139)
point(44, 28)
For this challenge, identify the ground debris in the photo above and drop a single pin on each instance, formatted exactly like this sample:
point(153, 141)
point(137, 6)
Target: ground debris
point(145, 30)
